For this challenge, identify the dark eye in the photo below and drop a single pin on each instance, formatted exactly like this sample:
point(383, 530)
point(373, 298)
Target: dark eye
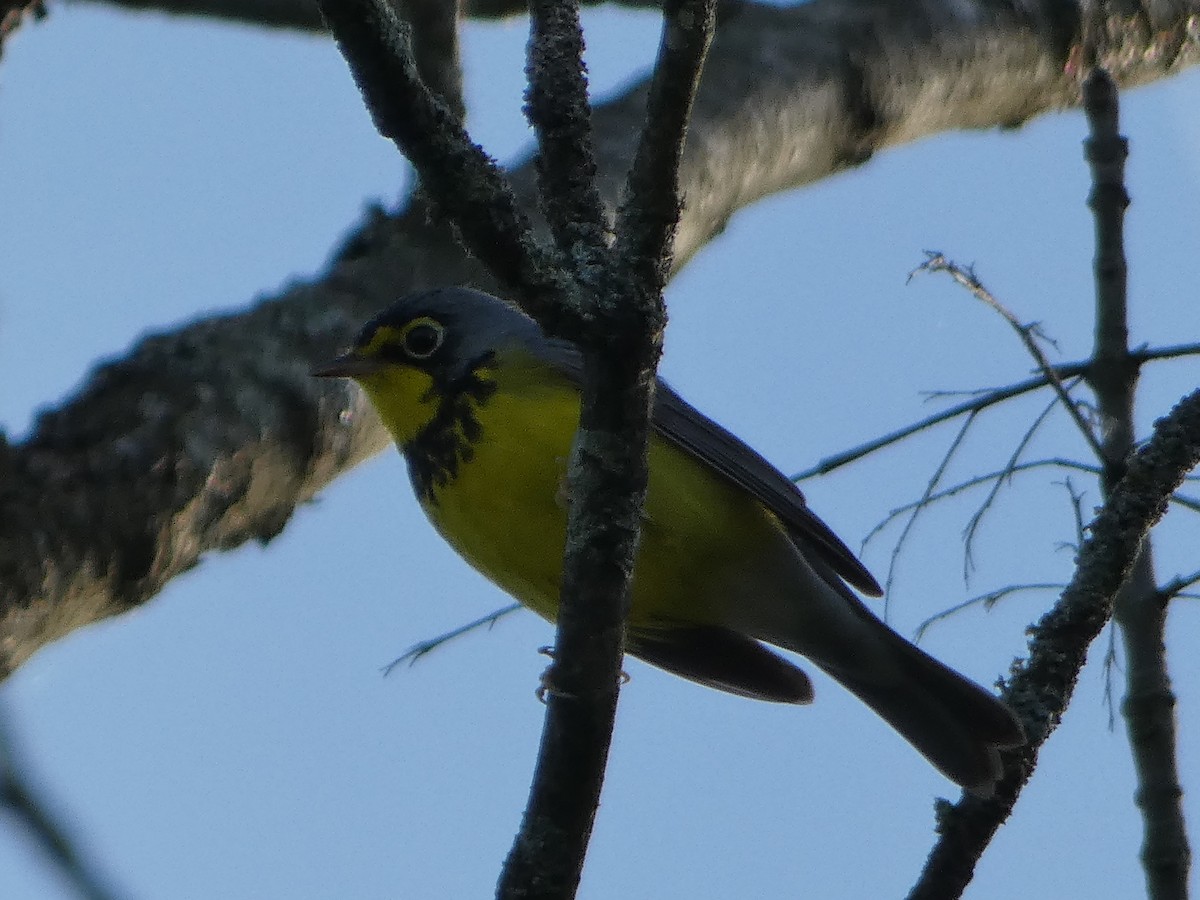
point(422, 338)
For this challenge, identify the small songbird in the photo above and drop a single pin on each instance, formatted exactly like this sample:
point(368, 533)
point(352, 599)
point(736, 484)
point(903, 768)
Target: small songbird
point(484, 407)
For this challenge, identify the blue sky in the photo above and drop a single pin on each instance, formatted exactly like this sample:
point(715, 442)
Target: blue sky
point(234, 738)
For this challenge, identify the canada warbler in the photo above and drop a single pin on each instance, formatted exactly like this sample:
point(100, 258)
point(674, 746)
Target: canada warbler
point(484, 407)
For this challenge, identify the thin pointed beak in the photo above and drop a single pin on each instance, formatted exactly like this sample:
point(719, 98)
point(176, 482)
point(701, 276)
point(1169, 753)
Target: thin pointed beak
point(348, 365)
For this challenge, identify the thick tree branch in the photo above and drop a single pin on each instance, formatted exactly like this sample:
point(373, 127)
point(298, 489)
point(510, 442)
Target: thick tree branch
point(211, 435)
point(1041, 688)
point(304, 15)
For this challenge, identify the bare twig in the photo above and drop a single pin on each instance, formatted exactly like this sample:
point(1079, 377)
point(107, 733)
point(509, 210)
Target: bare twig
point(978, 404)
point(421, 648)
point(991, 598)
point(1076, 498)
point(1111, 665)
point(918, 507)
point(936, 262)
point(1177, 586)
point(976, 481)
point(988, 600)
point(976, 520)
point(1185, 501)
point(1146, 354)
point(982, 399)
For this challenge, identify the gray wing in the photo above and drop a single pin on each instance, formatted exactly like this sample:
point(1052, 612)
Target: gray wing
point(684, 425)
point(688, 428)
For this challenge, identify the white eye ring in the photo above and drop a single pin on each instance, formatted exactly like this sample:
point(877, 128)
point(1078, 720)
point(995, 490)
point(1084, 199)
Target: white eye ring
point(423, 337)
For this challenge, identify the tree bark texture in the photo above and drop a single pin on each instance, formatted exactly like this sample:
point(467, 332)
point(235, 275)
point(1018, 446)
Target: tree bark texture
point(205, 437)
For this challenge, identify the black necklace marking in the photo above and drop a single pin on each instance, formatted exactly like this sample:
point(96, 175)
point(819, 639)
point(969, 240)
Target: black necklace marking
point(439, 448)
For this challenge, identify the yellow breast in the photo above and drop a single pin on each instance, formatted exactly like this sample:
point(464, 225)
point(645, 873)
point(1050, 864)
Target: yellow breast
point(505, 511)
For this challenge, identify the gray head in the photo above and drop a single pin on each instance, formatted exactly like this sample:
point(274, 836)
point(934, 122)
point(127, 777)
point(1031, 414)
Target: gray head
point(445, 331)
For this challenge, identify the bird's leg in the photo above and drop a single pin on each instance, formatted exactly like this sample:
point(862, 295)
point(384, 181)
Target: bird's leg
point(546, 686)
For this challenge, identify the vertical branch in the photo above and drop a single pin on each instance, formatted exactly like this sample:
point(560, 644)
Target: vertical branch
point(647, 219)
point(608, 473)
point(434, 25)
point(556, 104)
point(607, 479)
point(1141, 610)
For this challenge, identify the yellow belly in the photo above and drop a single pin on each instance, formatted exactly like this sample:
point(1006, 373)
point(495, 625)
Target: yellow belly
point(506, 514)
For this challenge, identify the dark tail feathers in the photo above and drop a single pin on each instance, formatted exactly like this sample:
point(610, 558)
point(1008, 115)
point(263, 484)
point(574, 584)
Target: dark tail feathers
point(954, 723)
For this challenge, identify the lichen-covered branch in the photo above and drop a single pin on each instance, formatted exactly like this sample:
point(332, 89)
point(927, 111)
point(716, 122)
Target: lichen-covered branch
point(1040, 689)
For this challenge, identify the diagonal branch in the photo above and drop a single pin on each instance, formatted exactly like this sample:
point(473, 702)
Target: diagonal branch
point(981, 400)
point(968, 407)
point(987, 601)
point(422, 648)
point(19, 800)
point(467, 183)
point(1040, 688)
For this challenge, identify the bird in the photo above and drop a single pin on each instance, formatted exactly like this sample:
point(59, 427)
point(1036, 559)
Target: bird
point(732, 563)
